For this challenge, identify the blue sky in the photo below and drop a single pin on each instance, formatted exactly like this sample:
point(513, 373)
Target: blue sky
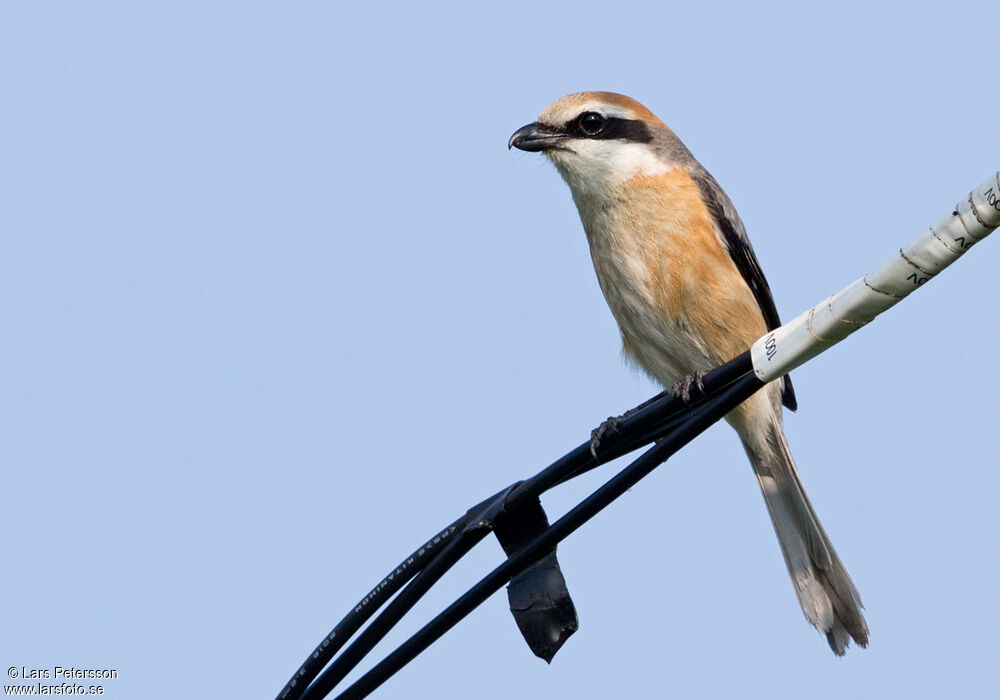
point(277, 304)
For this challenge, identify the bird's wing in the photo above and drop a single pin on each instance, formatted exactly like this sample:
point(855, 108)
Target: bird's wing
point(737, 243)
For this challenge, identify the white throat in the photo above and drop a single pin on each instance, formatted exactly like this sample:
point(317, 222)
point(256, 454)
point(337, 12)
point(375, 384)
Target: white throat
point(592, 167)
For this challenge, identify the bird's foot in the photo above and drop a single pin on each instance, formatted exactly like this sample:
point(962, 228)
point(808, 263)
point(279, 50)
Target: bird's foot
point(600, 431)
point(614, 423)
point(682, 389)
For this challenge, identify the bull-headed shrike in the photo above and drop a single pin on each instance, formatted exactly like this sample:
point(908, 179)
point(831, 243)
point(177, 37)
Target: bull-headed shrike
point(677, 269)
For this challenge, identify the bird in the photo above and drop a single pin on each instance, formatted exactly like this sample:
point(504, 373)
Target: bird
point(678, 272)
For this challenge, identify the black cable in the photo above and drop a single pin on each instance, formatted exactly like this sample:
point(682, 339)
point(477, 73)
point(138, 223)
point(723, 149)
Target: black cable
point(366, 607)
point(400, 605)
point(428, 563)
point(699, 420)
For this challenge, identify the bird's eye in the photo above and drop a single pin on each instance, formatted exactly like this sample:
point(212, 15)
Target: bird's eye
point(591, 123)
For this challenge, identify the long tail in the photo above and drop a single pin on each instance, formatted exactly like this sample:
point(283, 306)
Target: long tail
point(825, 590)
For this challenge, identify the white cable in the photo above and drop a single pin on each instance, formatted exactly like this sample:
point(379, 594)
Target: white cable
point(829, 322)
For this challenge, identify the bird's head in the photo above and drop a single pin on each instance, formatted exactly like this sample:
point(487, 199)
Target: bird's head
point(599, 140)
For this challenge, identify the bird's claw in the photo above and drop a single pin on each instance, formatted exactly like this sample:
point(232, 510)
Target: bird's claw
point(682, 389)
point(614, 423)
point(600, 431)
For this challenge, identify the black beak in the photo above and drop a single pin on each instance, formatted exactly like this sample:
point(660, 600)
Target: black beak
point(536, 137)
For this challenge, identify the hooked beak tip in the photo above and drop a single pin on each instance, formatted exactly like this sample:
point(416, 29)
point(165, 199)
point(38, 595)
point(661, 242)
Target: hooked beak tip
point(535, 137)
